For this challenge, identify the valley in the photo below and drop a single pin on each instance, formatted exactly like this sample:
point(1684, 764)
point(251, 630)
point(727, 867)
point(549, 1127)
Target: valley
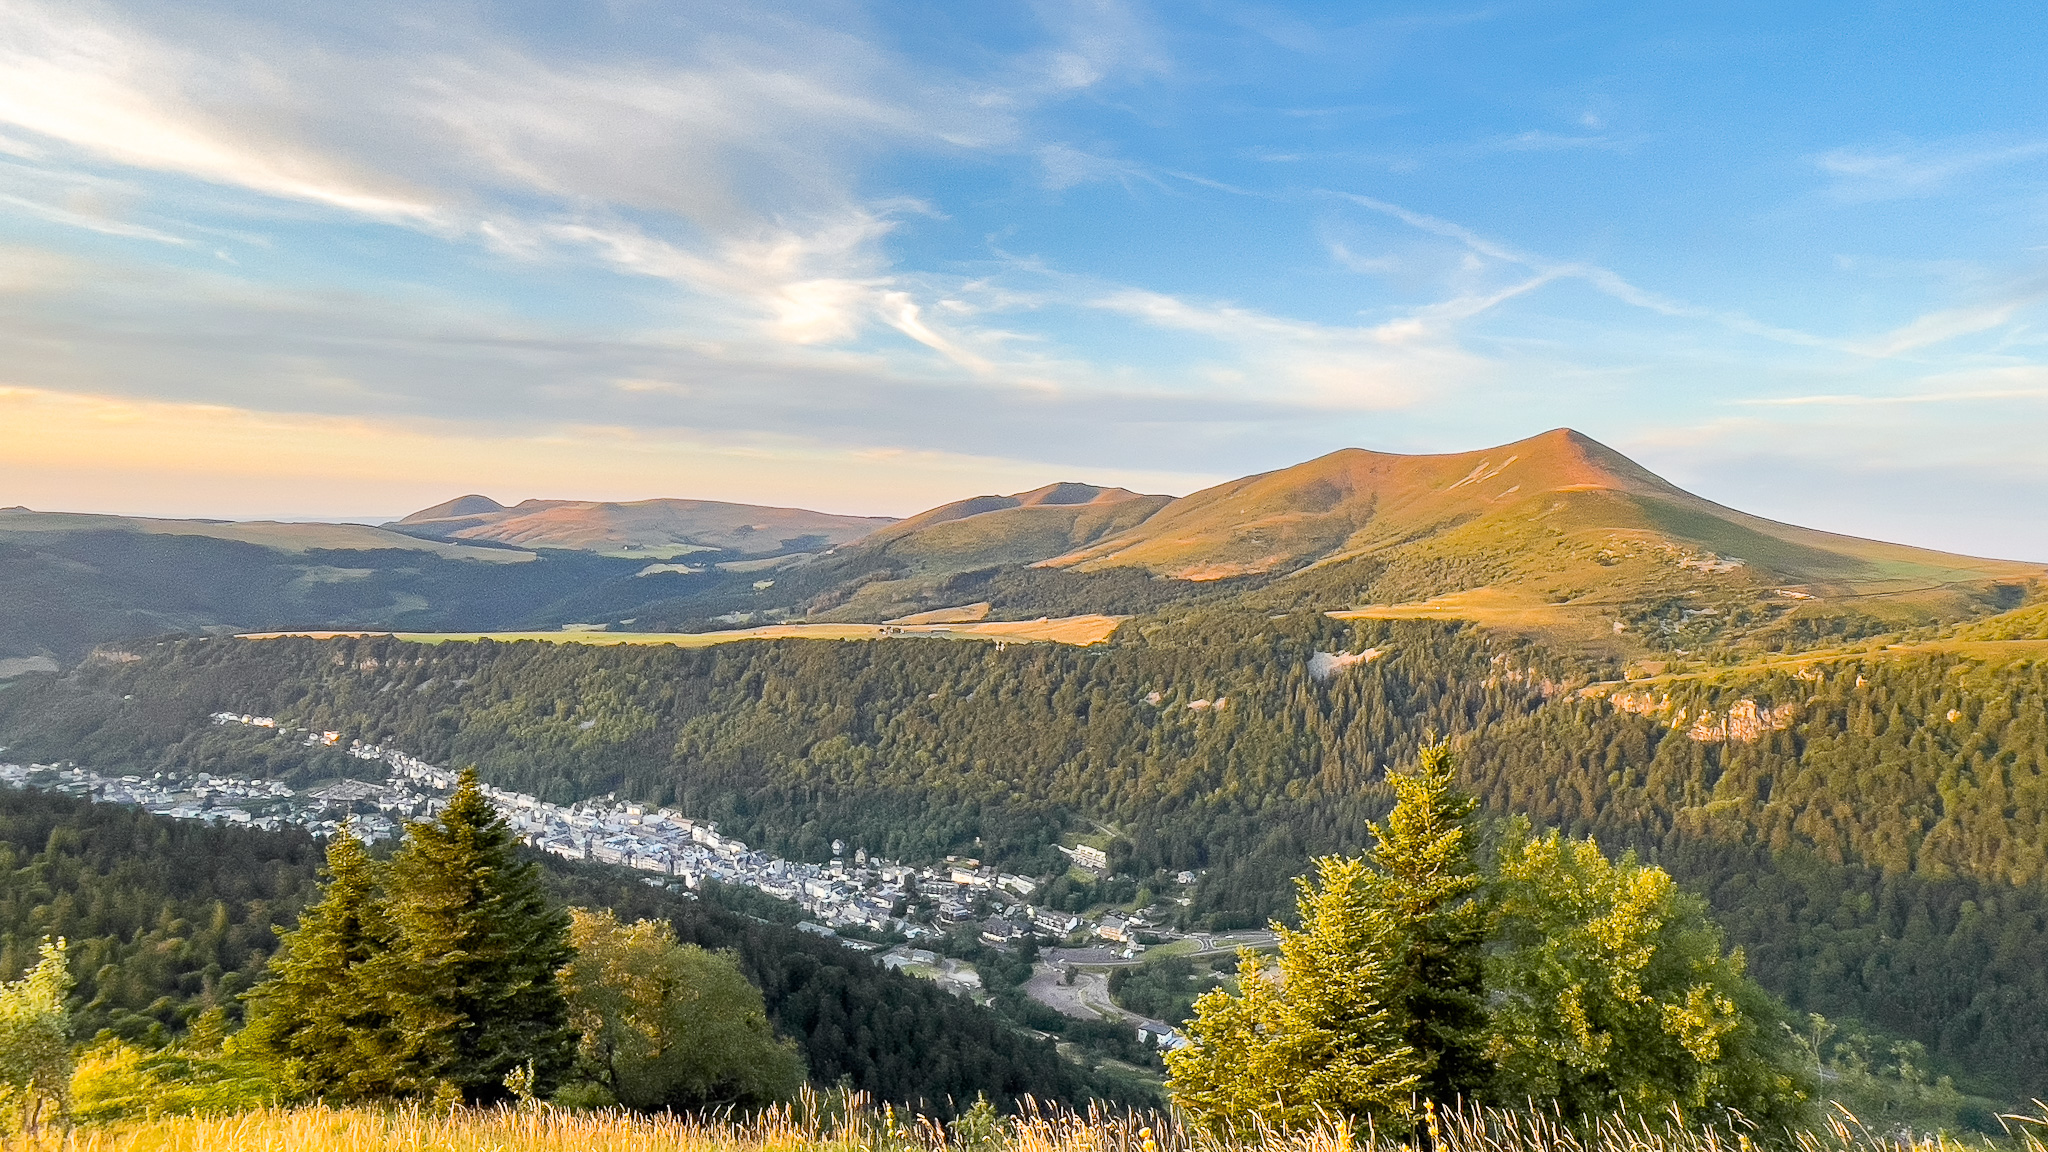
point(1840, 745)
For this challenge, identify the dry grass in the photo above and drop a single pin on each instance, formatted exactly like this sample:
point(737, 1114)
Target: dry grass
point(824, 1124)
point(1076, 630)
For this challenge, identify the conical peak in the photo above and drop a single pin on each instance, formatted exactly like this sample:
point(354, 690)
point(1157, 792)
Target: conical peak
point(470, 505)
point(1561, 459)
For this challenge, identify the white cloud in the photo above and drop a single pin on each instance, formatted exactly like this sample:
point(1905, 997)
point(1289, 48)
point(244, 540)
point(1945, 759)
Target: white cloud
point(1946, 324)
point(1386, 366)
point(1863, 174)
point(80, 75)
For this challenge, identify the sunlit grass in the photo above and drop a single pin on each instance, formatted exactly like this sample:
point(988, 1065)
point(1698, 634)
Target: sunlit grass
point(1080, 631)
point(825, 1124)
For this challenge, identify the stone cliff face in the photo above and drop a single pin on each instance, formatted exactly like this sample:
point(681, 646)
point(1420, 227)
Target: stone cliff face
point(1745, 722)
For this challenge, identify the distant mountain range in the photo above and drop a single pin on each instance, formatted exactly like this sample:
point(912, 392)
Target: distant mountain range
point(638, 528)
point(1555, 535)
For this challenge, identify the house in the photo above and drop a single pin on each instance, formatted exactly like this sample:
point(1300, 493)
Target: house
point(1115, 928)
point(1055, 921)
point(1088, 856)
point(1002, 933)
point(1158, 1035)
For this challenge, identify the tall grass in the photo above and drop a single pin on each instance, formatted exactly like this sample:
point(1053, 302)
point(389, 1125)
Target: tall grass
point(833, 1124)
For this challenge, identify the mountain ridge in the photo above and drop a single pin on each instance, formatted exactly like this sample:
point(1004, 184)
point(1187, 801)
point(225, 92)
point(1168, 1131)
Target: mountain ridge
point(638, 526)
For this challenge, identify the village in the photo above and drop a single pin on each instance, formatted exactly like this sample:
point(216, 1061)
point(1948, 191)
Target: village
point(866, 903)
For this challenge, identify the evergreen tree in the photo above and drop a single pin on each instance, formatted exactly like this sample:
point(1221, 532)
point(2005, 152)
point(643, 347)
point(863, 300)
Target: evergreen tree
point(1426, 882)
point(471, 973)
point(317, 1017)
point(1324, 1041)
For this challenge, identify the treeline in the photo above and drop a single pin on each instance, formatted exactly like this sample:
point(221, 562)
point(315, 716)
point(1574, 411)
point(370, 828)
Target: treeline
point(168, 919)
point(1932, 764)
point(1203, 740)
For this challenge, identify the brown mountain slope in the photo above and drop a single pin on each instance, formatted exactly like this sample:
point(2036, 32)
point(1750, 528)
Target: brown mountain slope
point(1556, 531)
point(905, 567)
point(1019, 529)
point(284, 536)
point(641, 527)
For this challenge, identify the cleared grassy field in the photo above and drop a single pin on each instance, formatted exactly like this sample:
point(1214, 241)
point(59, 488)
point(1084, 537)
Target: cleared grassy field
point(1080, 631)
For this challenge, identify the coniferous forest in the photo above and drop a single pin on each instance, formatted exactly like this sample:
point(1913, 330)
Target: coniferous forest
point(1877, 849)
point(167, 920)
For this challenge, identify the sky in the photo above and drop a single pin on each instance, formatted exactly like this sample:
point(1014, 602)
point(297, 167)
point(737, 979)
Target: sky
point(287, 259)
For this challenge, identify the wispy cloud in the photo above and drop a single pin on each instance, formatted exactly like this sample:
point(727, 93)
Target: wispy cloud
point(1945, 324)
point(1604, 279)
point(1906, 170)
point(79, 75)
point(1385, 366)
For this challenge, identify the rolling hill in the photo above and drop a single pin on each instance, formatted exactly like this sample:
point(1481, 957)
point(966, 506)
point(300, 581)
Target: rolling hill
point(655, 529)
point(1555, 536)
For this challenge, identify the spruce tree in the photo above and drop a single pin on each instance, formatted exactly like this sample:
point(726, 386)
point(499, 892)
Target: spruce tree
point(471, 974)
point(317, 1016)
point(1427, 879)
point(1322, 1042)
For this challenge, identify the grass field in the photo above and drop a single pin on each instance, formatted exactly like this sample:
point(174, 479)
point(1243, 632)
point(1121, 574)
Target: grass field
point(1080, 631)
point(813, 1125)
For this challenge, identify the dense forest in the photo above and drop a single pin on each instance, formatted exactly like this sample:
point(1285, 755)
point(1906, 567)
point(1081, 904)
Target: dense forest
point(168, 918)
point(1874, 837)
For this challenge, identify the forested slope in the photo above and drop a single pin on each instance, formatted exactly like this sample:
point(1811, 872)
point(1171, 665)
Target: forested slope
point(166, 918)
point(1871, 830)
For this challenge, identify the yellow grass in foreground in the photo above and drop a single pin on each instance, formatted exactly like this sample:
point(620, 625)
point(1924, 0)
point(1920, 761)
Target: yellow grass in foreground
point(1080, 631)
point(813, 1126)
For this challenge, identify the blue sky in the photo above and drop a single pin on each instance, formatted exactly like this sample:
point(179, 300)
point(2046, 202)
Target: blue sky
point(300, 259)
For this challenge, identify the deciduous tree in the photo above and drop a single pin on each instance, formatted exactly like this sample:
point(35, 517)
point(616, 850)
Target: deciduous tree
point(1611, 989)
point(35, 1041)
point(668, 1025)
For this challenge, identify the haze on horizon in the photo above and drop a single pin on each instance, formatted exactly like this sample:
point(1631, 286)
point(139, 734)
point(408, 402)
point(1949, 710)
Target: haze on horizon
point(259, 260)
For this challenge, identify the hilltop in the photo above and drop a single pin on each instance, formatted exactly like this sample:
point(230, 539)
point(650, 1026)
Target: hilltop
point(1557, 534)
point(657, 529)
point(1557, 537)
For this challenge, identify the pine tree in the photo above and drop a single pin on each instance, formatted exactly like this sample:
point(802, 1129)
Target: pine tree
point(471, 974)
point(1323, 1041)
point(317, 1016)
point(1426, 878)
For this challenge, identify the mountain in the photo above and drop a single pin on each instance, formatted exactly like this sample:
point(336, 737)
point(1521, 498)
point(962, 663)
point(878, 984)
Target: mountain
point(658, 529)
point(913, 567)
point(29, 527)
point(1555, 533)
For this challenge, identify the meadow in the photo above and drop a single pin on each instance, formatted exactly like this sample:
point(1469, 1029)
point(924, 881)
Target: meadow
point(828, 1123)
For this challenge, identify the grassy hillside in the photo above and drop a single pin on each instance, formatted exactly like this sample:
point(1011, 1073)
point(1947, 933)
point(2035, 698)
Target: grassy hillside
point(650, 528)
point(902, 568)
point(1557, 536)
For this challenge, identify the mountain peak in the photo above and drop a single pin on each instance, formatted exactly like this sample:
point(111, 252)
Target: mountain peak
point(470, 505)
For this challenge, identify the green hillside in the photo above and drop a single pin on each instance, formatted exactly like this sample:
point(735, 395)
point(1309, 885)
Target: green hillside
point(1880, 859)
point(169, 918)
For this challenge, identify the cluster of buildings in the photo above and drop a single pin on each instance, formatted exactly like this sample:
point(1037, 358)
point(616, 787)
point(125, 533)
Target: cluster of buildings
point(216, 799)
point(856, 891)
